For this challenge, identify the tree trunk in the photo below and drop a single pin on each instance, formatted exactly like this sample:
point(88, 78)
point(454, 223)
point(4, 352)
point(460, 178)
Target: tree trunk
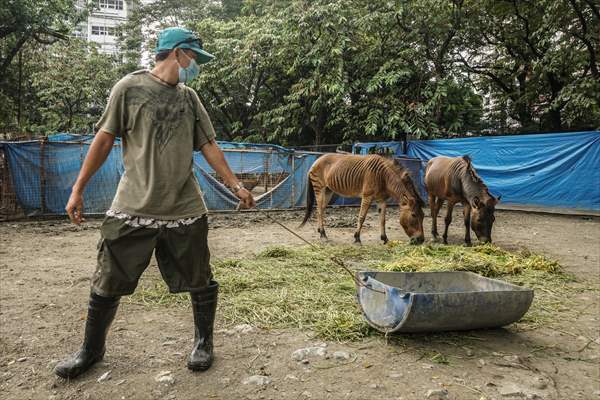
point(555, 119)
point(522, 108)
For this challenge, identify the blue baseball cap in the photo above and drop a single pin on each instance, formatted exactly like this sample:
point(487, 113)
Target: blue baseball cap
point(173, 38)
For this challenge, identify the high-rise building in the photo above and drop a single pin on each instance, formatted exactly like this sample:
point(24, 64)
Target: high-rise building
point(100, 26)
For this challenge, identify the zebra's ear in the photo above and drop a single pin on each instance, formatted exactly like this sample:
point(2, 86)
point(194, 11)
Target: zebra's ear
point(405, 177)
point(467, 158)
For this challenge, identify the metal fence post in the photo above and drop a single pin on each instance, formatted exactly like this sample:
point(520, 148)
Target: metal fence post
point(293, 176)
point(43, 175)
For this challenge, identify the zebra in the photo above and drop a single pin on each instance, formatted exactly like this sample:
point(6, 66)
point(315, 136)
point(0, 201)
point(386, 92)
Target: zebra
point(372, 177)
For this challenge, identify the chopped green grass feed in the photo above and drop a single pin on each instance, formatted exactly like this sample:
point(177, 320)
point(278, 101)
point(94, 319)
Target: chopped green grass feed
point(301, 288)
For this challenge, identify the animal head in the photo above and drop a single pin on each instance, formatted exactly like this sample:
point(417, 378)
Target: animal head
point(411, 211)
point(482, 217)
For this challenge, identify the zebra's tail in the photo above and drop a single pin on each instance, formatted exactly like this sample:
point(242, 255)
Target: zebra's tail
point(310, 201)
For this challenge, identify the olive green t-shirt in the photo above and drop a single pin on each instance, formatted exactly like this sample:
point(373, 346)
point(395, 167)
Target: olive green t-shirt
point(159, 126)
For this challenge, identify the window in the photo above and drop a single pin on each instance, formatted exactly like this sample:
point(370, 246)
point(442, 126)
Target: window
point(110, 4)
point(103, 30)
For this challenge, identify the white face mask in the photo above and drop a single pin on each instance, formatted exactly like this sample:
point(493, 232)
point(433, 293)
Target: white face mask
point(190, 73)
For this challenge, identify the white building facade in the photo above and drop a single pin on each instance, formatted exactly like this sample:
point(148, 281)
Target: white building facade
point(100, 26)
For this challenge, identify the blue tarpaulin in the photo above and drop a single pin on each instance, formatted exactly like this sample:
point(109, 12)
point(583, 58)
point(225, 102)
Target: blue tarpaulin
point(43, 173)
point(551, 170)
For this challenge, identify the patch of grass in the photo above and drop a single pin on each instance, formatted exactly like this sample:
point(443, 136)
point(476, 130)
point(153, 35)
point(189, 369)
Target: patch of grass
point(276, 252)
point(301, 288)
point(486, 260)
point(440, 358)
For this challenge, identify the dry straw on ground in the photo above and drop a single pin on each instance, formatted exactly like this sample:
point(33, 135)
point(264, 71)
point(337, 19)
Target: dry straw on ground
point(299, 287)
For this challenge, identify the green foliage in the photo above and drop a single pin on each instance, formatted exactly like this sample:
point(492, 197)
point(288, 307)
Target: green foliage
point(301, 288)
point(72, 82)
point(26, 27)
point(39, 21)
point(539, 60)
point(299, 72)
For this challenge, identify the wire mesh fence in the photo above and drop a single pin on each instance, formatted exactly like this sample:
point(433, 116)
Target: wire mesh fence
point(37, 176)
point(8, 198)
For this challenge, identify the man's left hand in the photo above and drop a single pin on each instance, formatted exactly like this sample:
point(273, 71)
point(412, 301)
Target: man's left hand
point(246, 199)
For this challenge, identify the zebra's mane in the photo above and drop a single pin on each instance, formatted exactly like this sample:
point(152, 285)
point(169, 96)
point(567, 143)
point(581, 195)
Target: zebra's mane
point(403, 175)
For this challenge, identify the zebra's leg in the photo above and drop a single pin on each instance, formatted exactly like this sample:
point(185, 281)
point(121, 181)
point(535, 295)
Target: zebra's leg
point(435, 203)
point(382, 207)
point(320, 211)
point(323, 201)
point(362, 214)
point(439, 202)
point(434, 210)
point(448, 220)
point(467, 218)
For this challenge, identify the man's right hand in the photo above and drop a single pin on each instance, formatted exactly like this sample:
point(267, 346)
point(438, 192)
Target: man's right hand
point(99, 150)
point(75, 208)
point(247, 200)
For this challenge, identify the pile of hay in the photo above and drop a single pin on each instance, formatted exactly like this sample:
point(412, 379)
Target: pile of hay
point(301, 288)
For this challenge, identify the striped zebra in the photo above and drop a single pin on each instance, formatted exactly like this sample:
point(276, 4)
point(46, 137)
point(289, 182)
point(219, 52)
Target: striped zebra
point(371, 177)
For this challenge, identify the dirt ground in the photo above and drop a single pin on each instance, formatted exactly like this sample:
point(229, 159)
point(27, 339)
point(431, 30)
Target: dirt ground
point(44, 285)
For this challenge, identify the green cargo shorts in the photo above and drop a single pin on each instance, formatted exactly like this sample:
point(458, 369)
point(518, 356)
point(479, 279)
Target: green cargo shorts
point(124, 252)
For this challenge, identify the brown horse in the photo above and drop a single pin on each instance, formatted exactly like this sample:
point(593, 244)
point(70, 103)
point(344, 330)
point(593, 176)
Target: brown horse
point(455, 180)
point(371, 177)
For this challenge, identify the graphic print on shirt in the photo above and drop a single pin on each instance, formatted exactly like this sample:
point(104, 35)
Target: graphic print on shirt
point(165, 111)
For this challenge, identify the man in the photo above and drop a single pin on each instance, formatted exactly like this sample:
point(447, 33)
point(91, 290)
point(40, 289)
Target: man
point(158, 204)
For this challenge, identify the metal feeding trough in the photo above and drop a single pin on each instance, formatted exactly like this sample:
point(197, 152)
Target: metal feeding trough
point(439, 301)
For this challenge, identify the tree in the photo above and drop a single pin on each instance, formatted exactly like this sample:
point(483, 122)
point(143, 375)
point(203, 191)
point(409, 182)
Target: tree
point(536, 56)
point(313, 40)
point(43, 22)
point(244, 79)
point(72, 82)
point(301, 72)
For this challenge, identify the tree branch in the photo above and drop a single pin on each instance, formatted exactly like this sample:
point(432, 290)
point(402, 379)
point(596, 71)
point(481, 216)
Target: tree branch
point(583, 38)
point(12, 53)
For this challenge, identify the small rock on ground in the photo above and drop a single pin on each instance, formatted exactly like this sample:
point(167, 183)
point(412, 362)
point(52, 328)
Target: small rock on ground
point(437, 394)
point(165, 377)
point(302, 354)
point(104, 377)
point(511, 390)
point(240, 329)
point(513, 358)
point(341, 355)
point(259, 380)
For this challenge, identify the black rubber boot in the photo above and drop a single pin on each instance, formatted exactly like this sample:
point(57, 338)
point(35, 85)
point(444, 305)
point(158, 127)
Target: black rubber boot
point(204, 306)
point(101, 312)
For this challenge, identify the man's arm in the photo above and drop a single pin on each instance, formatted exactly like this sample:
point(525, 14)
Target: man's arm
point(99, 151)
point(215, 157)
